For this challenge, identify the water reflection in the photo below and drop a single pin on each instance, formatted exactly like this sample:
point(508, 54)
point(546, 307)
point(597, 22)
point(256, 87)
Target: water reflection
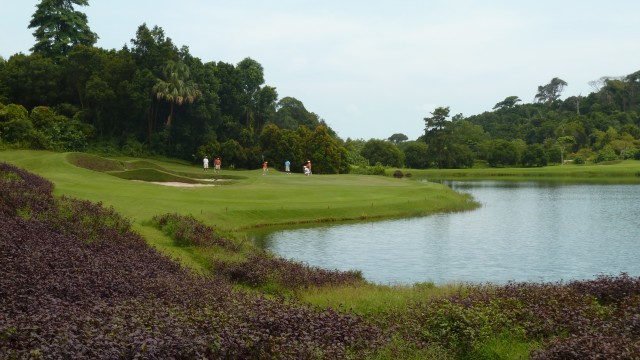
point(524, 231)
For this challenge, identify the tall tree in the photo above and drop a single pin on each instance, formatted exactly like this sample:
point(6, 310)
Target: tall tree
point(438, 120)
point(175, 88)
point(152, 49)
point(291, 113)
point(563, 143)
point(252, 75)
point(59, 27)
point(550, 92)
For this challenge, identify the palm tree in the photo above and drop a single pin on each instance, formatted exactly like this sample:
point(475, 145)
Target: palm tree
point(175, 88)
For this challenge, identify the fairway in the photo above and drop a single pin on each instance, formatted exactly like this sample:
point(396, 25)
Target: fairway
point(250, 201)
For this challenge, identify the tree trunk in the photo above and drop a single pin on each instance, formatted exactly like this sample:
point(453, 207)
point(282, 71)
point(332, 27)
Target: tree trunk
point(170, 116)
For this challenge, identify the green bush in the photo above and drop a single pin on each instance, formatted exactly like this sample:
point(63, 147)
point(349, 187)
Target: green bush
point(606, 154)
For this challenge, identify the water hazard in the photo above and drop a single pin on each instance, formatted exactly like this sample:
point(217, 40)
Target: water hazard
point(524, 231)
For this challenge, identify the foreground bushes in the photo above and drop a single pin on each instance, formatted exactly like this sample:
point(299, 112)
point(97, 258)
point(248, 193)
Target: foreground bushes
point(598, 319)
point(62, 296)
point(76, 282)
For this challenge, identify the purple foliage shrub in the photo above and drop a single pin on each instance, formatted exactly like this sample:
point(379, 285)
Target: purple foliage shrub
point(261, 268)
point(186, 230)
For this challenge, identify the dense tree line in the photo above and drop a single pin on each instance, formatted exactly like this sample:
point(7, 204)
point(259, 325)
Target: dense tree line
point(153, 98)
point(150, 98)
point(602, 126)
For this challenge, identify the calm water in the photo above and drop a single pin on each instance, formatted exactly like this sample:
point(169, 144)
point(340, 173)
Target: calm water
point(524, 231)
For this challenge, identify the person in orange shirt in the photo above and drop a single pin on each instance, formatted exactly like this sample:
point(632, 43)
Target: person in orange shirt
point(265, 168)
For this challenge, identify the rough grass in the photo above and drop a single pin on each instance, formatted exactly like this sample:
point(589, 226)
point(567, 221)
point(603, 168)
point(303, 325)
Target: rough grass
point(371, 300)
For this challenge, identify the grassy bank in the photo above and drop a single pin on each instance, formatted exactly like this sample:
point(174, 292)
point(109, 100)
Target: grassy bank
point(627, 171)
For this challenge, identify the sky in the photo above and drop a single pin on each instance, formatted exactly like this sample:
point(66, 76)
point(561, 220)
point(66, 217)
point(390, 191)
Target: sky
point(371, 69)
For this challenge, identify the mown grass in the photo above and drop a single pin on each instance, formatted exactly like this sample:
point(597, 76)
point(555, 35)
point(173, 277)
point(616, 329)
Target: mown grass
point(253, 201)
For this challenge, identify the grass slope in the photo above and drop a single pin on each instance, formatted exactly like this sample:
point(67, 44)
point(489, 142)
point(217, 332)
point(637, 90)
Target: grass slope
point(254, 201)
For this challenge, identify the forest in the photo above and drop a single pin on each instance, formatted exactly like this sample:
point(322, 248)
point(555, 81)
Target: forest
point(152, 98)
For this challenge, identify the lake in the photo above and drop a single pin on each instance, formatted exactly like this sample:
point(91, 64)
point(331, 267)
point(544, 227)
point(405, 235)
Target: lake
point(524, 231)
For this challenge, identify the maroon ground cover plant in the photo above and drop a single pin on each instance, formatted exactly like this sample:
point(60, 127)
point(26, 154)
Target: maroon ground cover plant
point(76, 282)
point(114, 297)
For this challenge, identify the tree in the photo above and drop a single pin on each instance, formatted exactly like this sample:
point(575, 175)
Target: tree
point(563, 142)
point(324, 151)
point(252, 75)
point(534, 156)
point(502, 153)
point(438, 121)
point(291, 113)
point(383, 152)
point(59, 27)
point(549, 93)
point(437, 137)
point(152, 50)
point(398, 138)
point(508, 102)
point(175, 88)
point(32, 80)
point(416, 155)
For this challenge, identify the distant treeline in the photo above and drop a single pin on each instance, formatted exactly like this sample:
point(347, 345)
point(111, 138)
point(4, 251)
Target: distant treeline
point(153, 98)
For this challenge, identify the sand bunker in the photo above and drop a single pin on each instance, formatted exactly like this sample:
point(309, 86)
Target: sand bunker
point(178, 184)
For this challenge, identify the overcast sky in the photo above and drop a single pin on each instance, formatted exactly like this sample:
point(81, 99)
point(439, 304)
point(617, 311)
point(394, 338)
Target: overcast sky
point(374, 68)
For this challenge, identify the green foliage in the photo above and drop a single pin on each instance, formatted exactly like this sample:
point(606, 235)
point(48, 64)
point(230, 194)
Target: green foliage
point(502, 153)
point(605, 154)
point(550, 92)
point(508, 102)
point(43, 129)
point(13, 112)
point(534, 156)
point(328, 157)
point(378, 169)
point(291, 113)
point(438, 120)
point(416, 155)
point(175, 87)
point(398, 138)
point(383, 152)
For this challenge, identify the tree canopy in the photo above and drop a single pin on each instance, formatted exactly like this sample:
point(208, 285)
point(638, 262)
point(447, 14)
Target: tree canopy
point(58, 27)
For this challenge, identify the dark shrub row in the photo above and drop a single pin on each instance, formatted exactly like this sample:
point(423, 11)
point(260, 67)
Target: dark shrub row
point(261, 268)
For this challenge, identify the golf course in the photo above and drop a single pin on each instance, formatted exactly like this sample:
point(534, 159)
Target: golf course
point(76, 230)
